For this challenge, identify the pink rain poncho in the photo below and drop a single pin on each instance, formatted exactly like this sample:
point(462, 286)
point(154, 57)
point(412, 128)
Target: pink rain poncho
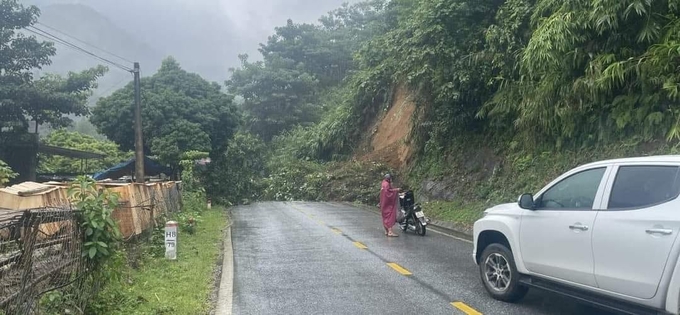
point(388, 204)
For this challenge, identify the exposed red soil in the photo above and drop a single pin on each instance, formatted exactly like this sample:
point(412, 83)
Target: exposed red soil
point(388, 142)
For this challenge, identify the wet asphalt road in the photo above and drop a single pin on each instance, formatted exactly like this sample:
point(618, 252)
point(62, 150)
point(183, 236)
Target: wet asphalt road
point(301, 258)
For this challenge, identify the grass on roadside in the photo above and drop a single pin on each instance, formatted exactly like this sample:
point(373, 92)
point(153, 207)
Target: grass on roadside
point(459, 212)
point(160, 286)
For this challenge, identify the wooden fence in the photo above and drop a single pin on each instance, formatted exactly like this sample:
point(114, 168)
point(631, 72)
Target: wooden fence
point(40, 243)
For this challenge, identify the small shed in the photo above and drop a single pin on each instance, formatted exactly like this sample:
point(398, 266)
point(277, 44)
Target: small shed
point(151, 168)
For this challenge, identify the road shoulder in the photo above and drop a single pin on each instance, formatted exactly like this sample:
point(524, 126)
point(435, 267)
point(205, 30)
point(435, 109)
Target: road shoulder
point(446, 228)
point(225, 295)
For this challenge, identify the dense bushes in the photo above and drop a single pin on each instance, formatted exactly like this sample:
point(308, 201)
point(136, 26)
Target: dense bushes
point(293, 179)
point(236, 175)
point(552, 73)
point(518, 78)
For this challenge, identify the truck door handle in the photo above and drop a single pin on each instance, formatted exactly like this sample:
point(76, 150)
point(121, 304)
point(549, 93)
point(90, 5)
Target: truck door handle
point(660, 231)
point(579, 227)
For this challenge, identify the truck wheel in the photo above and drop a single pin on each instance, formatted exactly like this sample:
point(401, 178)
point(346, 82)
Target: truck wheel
point(499, 274)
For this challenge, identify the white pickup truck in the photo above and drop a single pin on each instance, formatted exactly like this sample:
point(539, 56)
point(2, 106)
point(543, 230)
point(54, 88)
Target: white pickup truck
point(605, 233)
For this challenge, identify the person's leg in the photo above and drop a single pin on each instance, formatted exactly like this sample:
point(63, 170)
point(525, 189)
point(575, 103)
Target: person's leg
point(392, 221)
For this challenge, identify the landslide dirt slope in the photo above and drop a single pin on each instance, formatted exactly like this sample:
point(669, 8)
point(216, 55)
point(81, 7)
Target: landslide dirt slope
point(388, 140)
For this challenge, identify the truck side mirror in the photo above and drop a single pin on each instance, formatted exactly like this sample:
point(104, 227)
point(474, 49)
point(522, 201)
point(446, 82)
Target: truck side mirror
point(526, 201)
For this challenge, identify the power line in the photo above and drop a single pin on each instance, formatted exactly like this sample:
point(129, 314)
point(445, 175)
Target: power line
point(85, 43)
point(111, 88)
point(57, 39)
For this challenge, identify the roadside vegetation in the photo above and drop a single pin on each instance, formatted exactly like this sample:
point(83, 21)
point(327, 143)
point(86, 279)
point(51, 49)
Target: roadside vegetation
point(186, 118)
point(151, 284)
point(78, 141)
point(508, 94)
point(148, 283)
point(500, 88)
point(6, 173)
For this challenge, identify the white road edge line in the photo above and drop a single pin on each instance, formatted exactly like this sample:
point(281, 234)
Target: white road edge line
point(431, 229)
point(225, 295)
point(451, 236)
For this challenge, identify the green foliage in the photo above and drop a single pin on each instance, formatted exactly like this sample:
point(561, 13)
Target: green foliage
point(295, 179)
point(289, 89)
point(188, 221)
point(74, 140)
point(308, 48)
point(95, 208)
point(49, 98)
point(462, 213)
point(190, 179)
point(278, 94)
point(537, 76)
point(70, 300)
point(46, 100)
point(431, 47)
point(6, 173)
point(194, 155)
point(328, 139)
point(181, 112)
point(236, 175)
point(154, 285)
point(595, 71)
point(479, 177)
point(57, 302)
point(84, 126)
point(194, 199)
point(551, 72)
point(20, 53)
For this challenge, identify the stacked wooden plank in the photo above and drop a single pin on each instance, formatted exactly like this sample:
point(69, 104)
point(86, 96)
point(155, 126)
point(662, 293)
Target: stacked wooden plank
point(31, 195)
point(140, 204)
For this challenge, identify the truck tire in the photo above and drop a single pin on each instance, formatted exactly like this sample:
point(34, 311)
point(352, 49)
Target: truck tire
point(499, 274)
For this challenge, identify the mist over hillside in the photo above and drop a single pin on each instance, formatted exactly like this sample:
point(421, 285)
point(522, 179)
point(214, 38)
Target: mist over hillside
point(205, 36)
point(61, 19)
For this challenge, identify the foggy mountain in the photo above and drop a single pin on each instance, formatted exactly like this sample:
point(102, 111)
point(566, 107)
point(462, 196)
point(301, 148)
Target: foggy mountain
point(205, 36)
point(61, 19)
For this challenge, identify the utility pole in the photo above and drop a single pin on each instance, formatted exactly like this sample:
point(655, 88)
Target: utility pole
point(139, 144)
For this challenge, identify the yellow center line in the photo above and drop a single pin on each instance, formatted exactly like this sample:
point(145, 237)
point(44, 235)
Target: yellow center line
point(321, 222)
point(399, 269)
point(465, 308)
point(336, 231)
point(360, 245)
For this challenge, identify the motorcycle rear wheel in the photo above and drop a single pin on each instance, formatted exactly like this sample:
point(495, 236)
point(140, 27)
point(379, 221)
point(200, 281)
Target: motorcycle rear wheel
point(420, 228)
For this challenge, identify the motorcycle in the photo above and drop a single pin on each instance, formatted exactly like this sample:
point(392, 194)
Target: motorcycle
point(413, 218)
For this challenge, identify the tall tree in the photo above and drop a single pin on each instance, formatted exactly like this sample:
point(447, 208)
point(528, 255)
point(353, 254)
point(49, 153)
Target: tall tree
point(430, 46)
point(48, 99)
point(18, 55)
point(180, 112)
point(277, 93)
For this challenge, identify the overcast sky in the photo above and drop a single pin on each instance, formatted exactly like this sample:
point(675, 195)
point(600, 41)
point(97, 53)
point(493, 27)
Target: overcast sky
point(205, 35)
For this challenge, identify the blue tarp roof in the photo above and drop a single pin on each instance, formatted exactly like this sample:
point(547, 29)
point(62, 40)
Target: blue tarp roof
point(151, 168)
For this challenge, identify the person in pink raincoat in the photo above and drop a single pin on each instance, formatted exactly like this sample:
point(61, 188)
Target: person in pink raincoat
point(388, 205)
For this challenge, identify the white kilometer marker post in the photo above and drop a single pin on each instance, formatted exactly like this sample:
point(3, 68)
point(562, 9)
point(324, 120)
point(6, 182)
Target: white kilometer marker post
point(171, 240)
